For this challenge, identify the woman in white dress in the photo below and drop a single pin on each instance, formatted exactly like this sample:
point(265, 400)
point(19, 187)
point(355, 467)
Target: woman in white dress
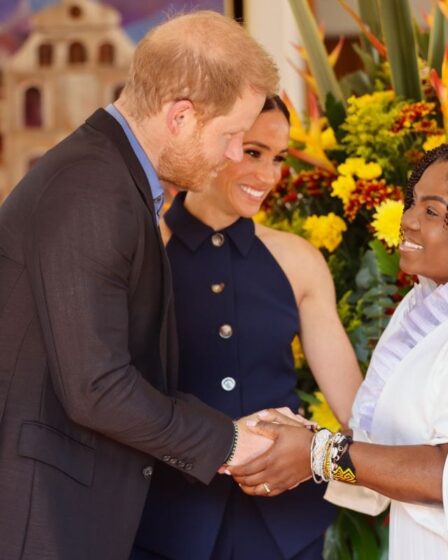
point(400, 415)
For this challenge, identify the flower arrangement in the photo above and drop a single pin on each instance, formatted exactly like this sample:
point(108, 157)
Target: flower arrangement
point(343, 187)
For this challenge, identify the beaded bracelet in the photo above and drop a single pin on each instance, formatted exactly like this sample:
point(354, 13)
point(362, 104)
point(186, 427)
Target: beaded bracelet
point(318, 454)
point(330, 457)
point(344, 470)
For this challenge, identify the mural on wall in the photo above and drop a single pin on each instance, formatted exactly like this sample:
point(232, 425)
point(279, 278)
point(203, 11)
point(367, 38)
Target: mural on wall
point(137, 16)
point(59, 61)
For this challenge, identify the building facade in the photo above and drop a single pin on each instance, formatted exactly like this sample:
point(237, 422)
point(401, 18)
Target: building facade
point(75, 60)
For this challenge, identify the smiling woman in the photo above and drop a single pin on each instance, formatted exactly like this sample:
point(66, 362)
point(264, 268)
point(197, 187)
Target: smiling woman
point(424, 249)
point(400, 415)
point(243, 291)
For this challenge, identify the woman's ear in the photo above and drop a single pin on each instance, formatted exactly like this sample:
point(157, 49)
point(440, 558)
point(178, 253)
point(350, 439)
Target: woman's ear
point(179, 115)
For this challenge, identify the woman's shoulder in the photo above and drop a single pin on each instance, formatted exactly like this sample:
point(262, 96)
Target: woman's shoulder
point(286, 245)
point(301, 262)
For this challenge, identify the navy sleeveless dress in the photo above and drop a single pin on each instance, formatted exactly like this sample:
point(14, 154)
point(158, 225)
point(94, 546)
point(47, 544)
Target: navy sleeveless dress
point(236, 316)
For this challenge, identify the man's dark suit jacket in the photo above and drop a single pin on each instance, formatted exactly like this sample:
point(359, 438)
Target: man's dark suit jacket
point(88, 356)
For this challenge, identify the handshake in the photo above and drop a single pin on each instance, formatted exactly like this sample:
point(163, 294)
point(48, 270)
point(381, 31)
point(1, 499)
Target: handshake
point(272, 452)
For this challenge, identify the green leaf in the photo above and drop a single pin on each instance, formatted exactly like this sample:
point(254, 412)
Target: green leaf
point(396, 22)
point(374, 311)
point(368, 10)
point(335, 112)
point(369, 272)
point(365, 545)
point(357, 83)
point(380, 291)
point(422, 40)
point(370, 64)
point(307, 397)
point(320, 67)
point(437, 41)
point(388, 263)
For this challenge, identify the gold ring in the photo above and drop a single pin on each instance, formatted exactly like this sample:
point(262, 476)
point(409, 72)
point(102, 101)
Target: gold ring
point(266, 487)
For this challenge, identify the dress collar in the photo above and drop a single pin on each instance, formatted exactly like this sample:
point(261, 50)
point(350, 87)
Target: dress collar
point(192, 232)
point(423, 309)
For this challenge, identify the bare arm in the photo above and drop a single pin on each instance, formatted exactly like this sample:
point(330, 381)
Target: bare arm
point(326, 346)
point(409, 473)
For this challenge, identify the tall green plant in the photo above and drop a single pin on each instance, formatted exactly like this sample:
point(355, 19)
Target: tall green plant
point(398, 33)
point(368, 10)
point(320, 67)
point(437, 41)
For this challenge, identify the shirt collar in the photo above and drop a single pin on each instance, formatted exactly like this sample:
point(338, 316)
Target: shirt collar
point(193, 233)
point(155, 186)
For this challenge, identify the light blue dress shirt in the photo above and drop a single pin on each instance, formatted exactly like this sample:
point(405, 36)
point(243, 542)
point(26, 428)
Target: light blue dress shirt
point(155, 186)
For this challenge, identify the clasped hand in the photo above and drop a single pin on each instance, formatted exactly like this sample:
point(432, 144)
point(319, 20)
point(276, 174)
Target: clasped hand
point(273, 452)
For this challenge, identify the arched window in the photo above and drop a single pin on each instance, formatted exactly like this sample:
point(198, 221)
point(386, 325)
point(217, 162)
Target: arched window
point(106, 54)
point(117, 90)
point(45, 54)
point(77, 53)
point(33, 108)
point(75, 11)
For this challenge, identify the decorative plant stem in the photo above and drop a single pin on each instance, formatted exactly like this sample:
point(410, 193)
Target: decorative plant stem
point(320, 67)
point(398, 33)
point(437, 41)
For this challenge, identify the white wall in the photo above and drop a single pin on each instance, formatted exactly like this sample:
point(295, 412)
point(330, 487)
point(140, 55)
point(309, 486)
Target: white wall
point(272, 23)
point(337, 22)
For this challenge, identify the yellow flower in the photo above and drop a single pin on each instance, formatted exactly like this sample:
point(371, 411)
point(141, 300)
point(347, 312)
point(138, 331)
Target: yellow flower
point(342, 187)
point(260, 217)
point(328, 139)
point(325, 231)
point(367, 100)
point(351, 166)
point(323, 415)
point(359, 167)
point(386, 222)
point(434, 141)
point(297, 352)
point(369, 171)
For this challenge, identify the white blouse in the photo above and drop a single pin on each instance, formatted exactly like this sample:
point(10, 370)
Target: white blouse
point(404, 401)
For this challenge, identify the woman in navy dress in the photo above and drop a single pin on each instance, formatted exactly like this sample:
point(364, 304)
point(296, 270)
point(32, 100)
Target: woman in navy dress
point(243, 291)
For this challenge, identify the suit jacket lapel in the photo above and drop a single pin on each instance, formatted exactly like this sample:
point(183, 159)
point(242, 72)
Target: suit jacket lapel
point(105, 123)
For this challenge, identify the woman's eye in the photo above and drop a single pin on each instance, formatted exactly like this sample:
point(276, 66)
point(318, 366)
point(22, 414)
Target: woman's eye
point(431, 212)
point(280, 159)
point(253, 153)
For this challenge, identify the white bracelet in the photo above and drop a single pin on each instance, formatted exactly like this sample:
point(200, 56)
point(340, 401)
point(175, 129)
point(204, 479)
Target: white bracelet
point(318, 454)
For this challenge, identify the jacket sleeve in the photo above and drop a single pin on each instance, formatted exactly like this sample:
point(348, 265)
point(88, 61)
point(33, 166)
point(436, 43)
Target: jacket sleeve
point(79, 255)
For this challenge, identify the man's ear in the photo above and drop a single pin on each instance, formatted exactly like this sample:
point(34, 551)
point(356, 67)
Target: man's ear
point(179, 115)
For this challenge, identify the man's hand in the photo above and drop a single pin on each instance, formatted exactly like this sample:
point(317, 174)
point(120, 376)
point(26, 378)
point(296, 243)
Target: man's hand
point(284, 465)
point(250, 444)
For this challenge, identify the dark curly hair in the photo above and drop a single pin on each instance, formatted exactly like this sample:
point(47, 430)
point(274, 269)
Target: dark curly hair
point(433, 156)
